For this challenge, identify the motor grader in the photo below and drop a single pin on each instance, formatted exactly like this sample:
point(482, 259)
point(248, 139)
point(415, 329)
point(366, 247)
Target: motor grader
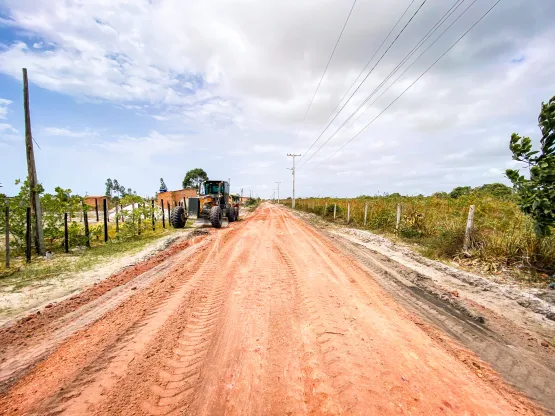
point(210, 207)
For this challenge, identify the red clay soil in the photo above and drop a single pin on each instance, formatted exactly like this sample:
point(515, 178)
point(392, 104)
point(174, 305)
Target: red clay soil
point(266, 317)
point(34, 324)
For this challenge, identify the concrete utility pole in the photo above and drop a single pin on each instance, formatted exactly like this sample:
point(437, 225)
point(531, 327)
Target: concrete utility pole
point(278, 191)
point(36, 209)
point(293, 171)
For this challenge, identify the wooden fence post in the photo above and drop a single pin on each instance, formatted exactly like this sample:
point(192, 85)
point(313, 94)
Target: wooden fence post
point(334, 211)
point(169, 210)
point(398, 216)
point(28, 235)
point(7, 228)
point(139, 220)
point(325, 210)
point(348, 212)
point(66, 242)
point(469, 225)
point(152, 215)
point(163, 216)
point(96, 209)
point(117, 219)
point(87, 233)
point(105, 206)
point(365, 212)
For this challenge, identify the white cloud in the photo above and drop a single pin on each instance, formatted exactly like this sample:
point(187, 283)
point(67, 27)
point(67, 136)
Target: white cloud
point(7, 128)
point(242, 74)
point(4, 107)
point(143, 148)
point(66, 132)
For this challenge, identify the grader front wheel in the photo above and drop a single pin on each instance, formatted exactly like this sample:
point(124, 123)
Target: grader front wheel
point(216, 217)
point(178, 218)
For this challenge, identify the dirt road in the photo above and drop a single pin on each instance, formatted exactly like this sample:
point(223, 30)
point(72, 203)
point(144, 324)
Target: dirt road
point(266, 317)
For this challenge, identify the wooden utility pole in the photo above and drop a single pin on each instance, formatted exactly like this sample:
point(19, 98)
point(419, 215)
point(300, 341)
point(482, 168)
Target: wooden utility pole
point(36, 209)
point(348, 212)
point(293, 171)
point(398, 217)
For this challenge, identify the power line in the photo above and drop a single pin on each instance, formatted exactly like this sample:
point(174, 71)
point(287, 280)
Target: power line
point(410, 86)
point(403, 61)
point(361, 72)
point(419, 56)
point(367, 75)
point(326, 68)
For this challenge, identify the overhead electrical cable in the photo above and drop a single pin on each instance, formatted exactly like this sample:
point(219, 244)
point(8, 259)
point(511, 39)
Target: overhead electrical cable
point(410, 66)
point(361, 72)
point(403, 61)
point(326, 68)
point(369, 73)
point(411, 85)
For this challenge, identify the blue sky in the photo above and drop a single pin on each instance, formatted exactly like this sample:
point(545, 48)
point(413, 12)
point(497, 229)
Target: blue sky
point(142, 90)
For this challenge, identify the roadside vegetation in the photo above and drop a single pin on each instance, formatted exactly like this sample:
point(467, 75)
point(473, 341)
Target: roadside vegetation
point(252, 203)
point(129, 231)
point(21, 274)
point(503, 236)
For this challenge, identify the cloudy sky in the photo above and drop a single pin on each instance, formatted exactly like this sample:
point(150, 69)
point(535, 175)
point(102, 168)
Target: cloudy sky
point(138, 90)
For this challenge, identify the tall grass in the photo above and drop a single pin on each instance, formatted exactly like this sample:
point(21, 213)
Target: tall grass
point(502, 234)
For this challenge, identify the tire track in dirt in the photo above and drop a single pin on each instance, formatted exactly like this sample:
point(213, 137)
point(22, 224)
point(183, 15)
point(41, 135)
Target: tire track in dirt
point(239, 352)
point(521, 368)
point(22, 358)
point(181, 374)
point(172, 362)
point(342, 386)
point(81, 356)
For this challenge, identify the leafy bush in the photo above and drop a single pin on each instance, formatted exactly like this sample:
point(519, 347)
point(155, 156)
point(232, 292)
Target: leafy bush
point(338, 210)
point(460, 191)
point(537, 194)
point(251, 202)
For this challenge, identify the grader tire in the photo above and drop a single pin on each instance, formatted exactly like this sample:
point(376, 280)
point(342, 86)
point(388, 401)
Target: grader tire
point(231, 214)
point(177, 217)
point(216, 217)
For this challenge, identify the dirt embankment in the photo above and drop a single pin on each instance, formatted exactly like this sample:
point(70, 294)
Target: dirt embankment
point(266, 316)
